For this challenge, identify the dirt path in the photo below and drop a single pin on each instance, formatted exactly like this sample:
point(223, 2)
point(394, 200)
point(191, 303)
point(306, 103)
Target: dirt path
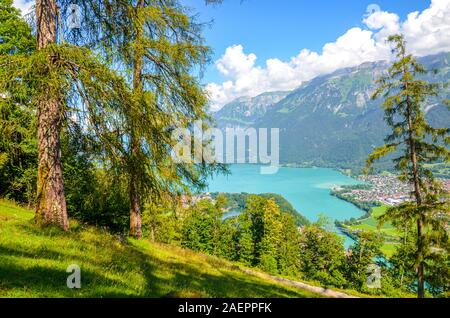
point(318, 290)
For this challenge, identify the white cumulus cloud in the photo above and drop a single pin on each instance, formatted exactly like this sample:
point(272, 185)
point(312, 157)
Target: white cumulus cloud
point(24, 5)
point(427, 32)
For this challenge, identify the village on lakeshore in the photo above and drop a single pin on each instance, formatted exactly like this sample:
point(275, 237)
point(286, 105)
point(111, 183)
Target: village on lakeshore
point(386, 189)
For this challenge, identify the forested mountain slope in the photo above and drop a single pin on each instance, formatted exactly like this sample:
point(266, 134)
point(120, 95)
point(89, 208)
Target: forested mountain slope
point(331, 120)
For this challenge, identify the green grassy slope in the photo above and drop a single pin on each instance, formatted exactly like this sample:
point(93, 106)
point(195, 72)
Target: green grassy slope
point(33, 263)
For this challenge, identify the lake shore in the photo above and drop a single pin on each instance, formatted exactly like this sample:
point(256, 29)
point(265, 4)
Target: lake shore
point(307, 189)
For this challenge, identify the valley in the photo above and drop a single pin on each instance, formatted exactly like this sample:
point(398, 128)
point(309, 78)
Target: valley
point(331, 121)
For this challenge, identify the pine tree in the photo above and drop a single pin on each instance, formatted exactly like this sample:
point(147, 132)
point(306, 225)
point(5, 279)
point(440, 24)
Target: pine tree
point(267, 237)
point(289, 249)
point(360, 256)
point(51, 203)
point(161, 46)
point(15, 34)
point(419, 144)
point(158, 45)
point(202, 228)
point(252, 225)
point(322, 255)
point(138, 89)
point(68, 85)
point(17, 117)
point(269, 246)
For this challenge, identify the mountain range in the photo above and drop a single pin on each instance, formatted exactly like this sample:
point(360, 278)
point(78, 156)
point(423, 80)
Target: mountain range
point(331, 120)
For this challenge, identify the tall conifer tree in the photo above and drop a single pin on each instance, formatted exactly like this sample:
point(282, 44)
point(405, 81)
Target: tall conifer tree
point(160, 45)
point(418, 144)
point(67, 83)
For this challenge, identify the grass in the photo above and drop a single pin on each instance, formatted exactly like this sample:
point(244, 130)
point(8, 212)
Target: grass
point(33, 263)
point(389, 232)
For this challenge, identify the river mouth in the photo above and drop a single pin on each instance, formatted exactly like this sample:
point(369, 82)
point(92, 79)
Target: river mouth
point(307, 189)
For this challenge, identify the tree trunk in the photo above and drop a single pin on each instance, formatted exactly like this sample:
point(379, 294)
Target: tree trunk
point(153, 233)
point(418, 197)
point(45, 22)
point(420, 268)
point(135, 188)
point(51, 203)
point(135, 208)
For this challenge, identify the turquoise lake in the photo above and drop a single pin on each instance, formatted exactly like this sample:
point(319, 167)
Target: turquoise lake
point(307, 189)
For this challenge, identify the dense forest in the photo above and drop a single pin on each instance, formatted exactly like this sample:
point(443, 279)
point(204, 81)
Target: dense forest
point(236, 202)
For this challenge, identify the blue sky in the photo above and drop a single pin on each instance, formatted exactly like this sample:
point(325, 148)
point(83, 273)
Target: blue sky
point(276, 45)
point(273, 45)
point(281, 28)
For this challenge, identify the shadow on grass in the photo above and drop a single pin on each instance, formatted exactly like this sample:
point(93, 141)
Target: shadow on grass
point(36, 280)
point(40, 281)
point(190, 281)
point(31, 227)
point(109, 269)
